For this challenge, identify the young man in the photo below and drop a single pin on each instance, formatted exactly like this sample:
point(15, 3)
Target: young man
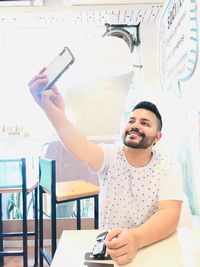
point(141, 191)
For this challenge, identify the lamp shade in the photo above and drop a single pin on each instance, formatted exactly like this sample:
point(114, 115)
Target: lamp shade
point(97, 104)
point(99, 59)
point(113, 56)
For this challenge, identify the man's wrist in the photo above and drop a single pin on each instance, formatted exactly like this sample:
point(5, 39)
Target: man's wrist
point(138, 238)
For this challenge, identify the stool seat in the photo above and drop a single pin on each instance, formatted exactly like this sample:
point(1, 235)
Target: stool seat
point(75, 189)
point(30, 186)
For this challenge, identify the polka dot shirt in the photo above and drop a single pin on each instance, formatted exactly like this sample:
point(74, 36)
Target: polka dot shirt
point(129, 196)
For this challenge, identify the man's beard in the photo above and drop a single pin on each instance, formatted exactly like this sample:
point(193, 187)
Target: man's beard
point(144, 143)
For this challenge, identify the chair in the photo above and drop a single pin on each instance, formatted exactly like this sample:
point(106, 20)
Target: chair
point(13, 180)
point(60, 192)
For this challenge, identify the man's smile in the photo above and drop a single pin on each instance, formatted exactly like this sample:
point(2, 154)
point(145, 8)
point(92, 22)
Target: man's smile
point(133, 133)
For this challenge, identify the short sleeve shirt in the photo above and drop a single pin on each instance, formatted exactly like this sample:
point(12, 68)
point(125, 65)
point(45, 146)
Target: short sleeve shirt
point(129, 195)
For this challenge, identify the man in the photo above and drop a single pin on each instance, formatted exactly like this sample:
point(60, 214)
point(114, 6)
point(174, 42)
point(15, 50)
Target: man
point(141, 191)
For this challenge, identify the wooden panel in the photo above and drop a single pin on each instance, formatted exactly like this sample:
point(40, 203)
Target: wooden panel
point(75, 189)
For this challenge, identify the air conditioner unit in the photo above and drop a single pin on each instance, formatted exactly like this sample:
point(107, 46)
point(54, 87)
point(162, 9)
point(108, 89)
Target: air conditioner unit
point(17, 3)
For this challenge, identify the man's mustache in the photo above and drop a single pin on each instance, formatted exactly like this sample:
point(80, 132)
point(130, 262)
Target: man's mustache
point(135, 130)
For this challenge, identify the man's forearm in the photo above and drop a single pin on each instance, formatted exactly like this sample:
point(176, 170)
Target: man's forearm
point(77, 143)
point(161, 225)
point(72, 138)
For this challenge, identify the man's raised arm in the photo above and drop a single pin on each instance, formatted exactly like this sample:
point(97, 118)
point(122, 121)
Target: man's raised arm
point(52, 103)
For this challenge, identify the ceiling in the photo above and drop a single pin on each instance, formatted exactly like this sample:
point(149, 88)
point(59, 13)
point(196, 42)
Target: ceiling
point(56, 13)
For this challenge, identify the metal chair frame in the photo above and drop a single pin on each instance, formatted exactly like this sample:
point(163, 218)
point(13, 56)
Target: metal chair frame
point(25, 233)
point(43, 253)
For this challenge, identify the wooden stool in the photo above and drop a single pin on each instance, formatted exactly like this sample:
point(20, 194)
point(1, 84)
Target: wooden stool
point(61, 192)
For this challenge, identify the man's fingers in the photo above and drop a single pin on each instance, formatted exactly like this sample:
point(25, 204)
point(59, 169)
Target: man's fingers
point(113, 234)
point(47, 94)
point(37, 77)
point(114, 253)
point(37, 85)
point(115, 239)
point(42, 70)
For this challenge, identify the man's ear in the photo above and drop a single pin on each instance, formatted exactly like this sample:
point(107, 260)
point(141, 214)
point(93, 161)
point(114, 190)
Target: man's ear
point(158, 136)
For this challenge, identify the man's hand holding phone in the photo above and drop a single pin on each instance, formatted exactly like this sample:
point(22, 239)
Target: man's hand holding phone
point(51, 100)
point(36, 83)
point(122, 245)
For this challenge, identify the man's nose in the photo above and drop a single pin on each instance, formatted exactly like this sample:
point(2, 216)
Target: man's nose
point(135, 125)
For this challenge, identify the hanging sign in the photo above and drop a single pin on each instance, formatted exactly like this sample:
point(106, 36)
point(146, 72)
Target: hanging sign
point(177, 42)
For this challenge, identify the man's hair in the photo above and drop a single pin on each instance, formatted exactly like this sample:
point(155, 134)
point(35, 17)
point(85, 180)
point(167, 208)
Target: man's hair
point(151, 107)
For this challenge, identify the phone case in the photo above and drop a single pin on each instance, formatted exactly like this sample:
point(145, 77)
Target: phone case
point(57, 67)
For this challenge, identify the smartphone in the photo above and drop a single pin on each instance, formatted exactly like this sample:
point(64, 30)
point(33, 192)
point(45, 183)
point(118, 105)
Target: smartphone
point(57, 67)
point(99, 249)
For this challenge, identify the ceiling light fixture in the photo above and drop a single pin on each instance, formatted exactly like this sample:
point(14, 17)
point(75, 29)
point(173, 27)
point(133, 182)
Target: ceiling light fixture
point(128, 33)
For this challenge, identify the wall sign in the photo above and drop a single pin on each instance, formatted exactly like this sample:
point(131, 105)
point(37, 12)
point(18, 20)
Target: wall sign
point(177, 42)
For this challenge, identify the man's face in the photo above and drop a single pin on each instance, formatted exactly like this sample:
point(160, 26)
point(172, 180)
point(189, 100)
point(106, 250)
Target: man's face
point(141, 130)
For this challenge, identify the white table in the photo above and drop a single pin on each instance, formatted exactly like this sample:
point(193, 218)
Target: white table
point(182, 249)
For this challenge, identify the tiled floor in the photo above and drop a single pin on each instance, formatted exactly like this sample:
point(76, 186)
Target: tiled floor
point(12, 261)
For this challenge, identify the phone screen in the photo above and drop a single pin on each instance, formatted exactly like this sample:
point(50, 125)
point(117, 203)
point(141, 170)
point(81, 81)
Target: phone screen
point(58, 66)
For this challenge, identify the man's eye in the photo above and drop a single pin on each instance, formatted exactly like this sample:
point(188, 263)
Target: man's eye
point(145, 123)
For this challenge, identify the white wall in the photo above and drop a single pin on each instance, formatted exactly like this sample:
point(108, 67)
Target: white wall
point(190, 94)
point(149, 58)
